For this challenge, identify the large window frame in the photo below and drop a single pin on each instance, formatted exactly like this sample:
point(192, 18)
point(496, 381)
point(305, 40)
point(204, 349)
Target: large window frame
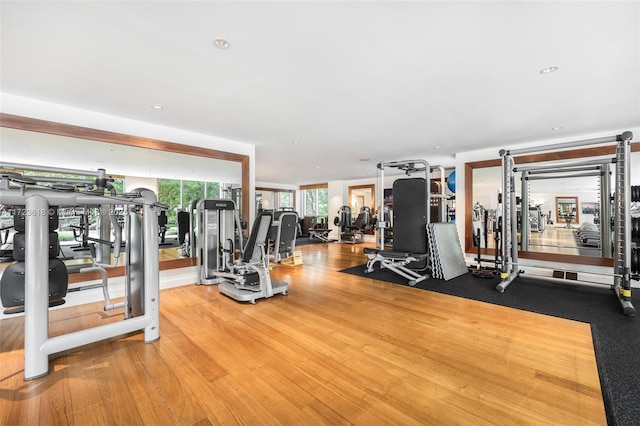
point(315, 200)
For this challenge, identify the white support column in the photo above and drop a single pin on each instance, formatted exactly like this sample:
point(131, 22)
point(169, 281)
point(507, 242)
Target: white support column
point(151, 270)
point(36, 286)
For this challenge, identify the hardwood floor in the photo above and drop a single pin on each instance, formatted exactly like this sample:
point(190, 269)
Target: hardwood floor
point(338, 349)
point(554, 239)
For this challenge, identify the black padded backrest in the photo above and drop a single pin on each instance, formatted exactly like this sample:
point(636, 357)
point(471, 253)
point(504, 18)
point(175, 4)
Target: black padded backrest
point(288, 225)
point(360, 221)
point(19, 222)
point(162, 218)
point(12, 283)
point(19, 245)
point(410, 215)
point(259, 235)
point(273, 231)
point(183, 226)
point(284, 220)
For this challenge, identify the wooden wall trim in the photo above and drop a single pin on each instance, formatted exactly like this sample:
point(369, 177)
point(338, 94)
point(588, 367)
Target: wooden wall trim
point(314, 186)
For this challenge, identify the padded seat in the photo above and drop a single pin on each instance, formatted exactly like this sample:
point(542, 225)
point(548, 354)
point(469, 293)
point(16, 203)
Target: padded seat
point(395, 261)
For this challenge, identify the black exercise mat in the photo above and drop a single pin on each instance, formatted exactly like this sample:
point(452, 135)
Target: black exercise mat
point(616, 337)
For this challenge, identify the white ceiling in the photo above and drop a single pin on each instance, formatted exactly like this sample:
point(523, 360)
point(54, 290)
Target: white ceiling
point(347, 81)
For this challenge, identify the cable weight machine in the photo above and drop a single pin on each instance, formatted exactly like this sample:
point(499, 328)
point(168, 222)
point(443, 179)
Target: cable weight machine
point(141, 261)
point(622, 223)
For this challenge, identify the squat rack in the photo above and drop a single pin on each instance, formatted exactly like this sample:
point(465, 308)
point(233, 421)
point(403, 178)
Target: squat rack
point(621, 212)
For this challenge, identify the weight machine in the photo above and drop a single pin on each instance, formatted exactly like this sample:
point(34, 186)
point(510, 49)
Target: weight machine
point(621, 212)
point(141, 259)
point(247, 278)
point(352, 231)
point(413, 252)
point(282, 235)
point(216, 223)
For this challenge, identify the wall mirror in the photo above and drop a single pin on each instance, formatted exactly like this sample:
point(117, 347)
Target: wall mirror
point(552, 239)
point(90, 149)
point(361, 196)
point(274, 199)
point(567, 210)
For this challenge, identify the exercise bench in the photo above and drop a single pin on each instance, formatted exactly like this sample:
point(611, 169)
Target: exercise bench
point(397, 262)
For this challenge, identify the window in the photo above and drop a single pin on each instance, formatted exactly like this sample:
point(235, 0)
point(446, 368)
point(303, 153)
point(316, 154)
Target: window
point(285, 199)
point(315, 201)
point(178, 194)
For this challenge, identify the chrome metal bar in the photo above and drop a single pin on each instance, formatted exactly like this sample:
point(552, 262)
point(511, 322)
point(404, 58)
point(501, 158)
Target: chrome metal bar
point(30, 167)
point(563, 145)
point(563, 166)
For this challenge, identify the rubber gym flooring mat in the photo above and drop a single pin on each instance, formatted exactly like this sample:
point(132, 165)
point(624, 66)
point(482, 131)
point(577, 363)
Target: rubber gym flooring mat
point(616, 336)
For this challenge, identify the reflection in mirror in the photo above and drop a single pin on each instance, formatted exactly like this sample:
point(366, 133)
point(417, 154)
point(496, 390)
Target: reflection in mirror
point(361, 196)
point(547, 213)
point(122, 160)
point(567, 209)
point(274, 199)
point(140, 160)
point(550, 237)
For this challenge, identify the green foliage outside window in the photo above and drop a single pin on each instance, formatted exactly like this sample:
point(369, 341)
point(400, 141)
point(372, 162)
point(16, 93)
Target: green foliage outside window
point(170, 193)
point(316, 202)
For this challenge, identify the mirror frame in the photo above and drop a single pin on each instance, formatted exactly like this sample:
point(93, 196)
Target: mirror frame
point(560, 200)
point(372, 187)
point(61, 129)
point(533, 158)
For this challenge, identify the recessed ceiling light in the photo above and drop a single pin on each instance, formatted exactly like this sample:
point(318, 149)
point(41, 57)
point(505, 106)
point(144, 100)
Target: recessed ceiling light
point(437, 147)
point(221, 43)
point(295, 142)
point(548, 70)
point(557, 128)
point(156, 106)
point(365, 159)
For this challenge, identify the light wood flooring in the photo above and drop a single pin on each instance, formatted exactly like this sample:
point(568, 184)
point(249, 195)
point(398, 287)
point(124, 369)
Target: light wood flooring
point(339, 349)
point(554, 239)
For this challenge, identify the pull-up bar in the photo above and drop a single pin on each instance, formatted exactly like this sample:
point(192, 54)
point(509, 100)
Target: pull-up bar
point(572, 175)
point(563, 170)
point(596, 141)
point(564, 166)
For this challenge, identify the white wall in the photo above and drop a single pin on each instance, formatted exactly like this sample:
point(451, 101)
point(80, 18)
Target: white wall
point(133, 182)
